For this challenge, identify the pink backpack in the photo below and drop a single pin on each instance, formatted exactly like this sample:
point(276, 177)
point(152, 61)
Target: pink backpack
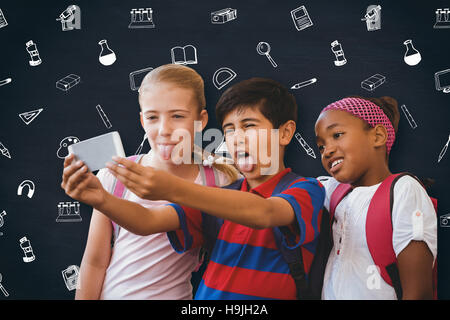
point(379, 230)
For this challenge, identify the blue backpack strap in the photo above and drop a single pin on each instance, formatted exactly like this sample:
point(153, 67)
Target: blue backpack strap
point(211, 225)
point(293, 257)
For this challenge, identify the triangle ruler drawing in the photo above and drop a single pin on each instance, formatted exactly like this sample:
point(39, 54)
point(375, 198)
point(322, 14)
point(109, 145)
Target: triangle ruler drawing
point(29, 116)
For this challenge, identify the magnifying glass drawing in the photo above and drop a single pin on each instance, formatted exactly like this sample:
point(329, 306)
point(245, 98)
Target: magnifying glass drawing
point(263, 48)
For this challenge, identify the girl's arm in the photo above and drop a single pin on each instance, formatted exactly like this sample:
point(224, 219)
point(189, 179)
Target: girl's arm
point(415, 265)
point(96, 258)
point(82, 185)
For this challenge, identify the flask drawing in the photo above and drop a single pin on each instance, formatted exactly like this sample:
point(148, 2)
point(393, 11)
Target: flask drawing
point(107, 57)
point(412, 56)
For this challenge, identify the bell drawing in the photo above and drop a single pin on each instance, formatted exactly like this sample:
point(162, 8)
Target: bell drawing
point(412, 56)
point(107, 57)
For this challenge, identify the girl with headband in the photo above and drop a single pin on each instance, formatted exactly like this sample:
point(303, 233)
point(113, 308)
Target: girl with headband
point(355, 136)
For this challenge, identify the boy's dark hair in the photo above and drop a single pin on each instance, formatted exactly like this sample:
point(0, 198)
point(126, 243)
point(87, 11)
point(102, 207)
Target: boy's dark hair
point(271, 98)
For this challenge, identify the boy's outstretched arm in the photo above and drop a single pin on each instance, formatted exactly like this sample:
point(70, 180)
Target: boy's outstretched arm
point(240, 207)
point(81, 184)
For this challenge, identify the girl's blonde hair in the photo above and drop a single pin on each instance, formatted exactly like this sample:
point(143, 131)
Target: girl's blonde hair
point(186, 78)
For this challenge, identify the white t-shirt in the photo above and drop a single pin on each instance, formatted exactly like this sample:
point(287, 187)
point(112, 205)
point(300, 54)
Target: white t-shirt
point(147, 267)
point(352, 274)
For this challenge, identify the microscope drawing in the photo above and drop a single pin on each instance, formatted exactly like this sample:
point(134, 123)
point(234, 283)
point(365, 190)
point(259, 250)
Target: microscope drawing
point(70, 18)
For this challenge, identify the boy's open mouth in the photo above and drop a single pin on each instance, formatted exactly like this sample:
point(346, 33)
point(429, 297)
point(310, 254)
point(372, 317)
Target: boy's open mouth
point(244, 161)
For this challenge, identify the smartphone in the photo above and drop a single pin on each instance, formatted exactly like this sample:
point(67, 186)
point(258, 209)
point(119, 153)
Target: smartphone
point(97, 151)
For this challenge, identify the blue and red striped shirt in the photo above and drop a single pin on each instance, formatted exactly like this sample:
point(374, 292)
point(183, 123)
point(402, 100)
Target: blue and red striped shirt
point(246, 263)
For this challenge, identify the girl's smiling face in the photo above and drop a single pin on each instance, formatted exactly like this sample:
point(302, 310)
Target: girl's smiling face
point(346, 146)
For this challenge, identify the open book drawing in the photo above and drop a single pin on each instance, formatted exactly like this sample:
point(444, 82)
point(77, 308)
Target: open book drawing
point(184, 55)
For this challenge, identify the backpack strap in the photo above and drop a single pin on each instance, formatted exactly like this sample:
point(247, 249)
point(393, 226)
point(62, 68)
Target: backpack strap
point(336, 197)
point(379, 232)
point(119, 190)
point(293, 257)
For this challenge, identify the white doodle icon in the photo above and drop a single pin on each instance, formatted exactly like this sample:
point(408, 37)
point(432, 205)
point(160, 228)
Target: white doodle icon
point(30, 185)
point(2, 220)
point(444, 220)
point(69, 212)
point(444, 150)
point(29, 116)
point(263, 48)
point(5, 293)
point(102, 114)
point(70, 276)
point(373, 18)
point(408, 116)
point(373, 82)
point(68, 82)
point(304, 83)
point(64, 144)
point(309, 151)
point(184, 55)
point(442, 80)
point(301, 18)
point(5, 81)
point(137, 76)
point(3, 22)
point(25, 244)
point(70, 18)
point(412, 56)
point(222, 77)
point(336, 47)
point(442, 19)
point(223, 16)
point(34, 53)
point(141, 18)
point(107, 57)
point(4, 151)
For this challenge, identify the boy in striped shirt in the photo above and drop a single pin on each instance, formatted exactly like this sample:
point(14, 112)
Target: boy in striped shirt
point(245, 262)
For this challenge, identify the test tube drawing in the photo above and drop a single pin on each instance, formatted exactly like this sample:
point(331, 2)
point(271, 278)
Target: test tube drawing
point(409, 117)
point(305, 145)
point(444, 150)
point(103, 116)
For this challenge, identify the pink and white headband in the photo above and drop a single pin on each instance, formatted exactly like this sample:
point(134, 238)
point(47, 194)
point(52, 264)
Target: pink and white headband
point(367, 111)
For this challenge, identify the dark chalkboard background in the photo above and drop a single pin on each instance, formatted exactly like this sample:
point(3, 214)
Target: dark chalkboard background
point(300, 55)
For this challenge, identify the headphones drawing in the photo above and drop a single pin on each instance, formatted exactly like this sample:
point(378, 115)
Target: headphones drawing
point(26, 183)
